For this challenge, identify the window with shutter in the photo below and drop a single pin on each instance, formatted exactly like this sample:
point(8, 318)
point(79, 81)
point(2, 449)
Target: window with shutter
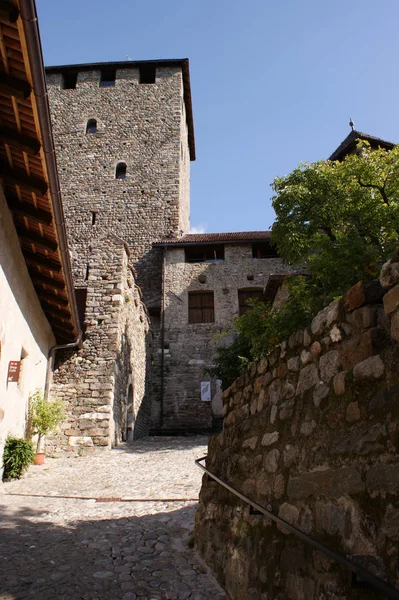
point(201, 307)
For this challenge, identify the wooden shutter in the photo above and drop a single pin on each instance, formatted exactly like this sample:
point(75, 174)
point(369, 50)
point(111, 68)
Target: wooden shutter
point(201, 307)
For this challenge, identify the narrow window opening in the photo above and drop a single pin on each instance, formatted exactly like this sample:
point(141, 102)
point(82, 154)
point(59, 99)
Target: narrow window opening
point(204, 253)
point(69, 81)
point(201, 307)
point(120, 171)
point(264, 250)
point(107, 78)
point(87, 272)
point(93, 218)
point(91, 126)
point(147, 74)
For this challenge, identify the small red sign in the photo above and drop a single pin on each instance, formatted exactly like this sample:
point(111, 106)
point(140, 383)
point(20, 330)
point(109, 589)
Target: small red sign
point(14, 367)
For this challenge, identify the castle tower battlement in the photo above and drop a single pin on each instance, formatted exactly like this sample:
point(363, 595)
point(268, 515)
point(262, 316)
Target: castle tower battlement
point(124, 139)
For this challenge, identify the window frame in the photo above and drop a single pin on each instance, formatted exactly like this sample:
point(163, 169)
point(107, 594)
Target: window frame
point(107, 78)
point(89, 126)
point(257, 250)
point(200, 309)
point(120, 174)
point(196, 250)
point(253, 292)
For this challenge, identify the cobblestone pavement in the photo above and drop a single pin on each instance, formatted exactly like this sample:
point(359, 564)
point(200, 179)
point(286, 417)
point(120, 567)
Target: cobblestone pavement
point(115, 526)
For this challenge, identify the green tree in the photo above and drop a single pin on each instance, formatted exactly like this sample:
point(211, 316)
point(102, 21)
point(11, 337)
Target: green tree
point(339, 219)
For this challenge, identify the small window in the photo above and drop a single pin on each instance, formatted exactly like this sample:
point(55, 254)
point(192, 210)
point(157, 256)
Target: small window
point(264, 250)
point(195, 254)
point(249, 294)
point(201, 307)
point(69, 81)
point(107, 78)
point(91, 126)
point(147, 74)
point(120, 171)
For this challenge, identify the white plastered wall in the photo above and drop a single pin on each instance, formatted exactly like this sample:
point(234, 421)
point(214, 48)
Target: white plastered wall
point(24, 330)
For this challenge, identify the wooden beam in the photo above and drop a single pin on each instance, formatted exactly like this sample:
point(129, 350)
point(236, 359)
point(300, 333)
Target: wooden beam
point(11, 86)
point(52, 297)
point(61, 333)
point(41, 261)
point(21, 141)
point(59, 312)
point(8, 12)
point(19, 177)
point(41, 278)
point(35, 238)
point(24, 209)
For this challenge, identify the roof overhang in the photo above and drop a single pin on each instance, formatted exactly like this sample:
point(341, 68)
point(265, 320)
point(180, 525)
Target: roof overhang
point(214, 239)
point(28, 170)
point(182, 63)
point(350, 142)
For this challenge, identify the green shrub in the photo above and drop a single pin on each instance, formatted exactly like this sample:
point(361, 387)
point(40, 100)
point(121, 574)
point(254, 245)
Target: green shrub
point(18, 455)
point(231, 361)
point(44, 416)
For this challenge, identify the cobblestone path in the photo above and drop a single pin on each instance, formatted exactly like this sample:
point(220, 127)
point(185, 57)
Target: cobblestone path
point(111, 526)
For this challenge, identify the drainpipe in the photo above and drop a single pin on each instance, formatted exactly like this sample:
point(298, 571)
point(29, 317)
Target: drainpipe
point(163, 334)
point(32, 37)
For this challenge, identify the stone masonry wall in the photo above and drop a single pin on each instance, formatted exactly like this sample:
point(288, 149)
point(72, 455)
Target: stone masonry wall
point(312, 433)
point(142, 125)
point(94, 380)
point(190, 348)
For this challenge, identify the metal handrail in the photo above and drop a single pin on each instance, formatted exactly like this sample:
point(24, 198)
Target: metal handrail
point(364, 574)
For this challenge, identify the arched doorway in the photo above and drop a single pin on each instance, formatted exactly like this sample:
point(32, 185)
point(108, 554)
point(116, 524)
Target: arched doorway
point(130, 414)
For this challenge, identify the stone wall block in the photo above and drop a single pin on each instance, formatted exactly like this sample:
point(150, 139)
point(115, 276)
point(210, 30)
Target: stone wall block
point(271, 461)
point(395, 326)
point(389, 274)
point(320, 394)
point(319, 322)
point(290, 514)
point(328, 483)
point(329, 364)
point(293, 363)
point(382, 478)
point(371, 368)
point(270, 438)
point(391, 300)
point(334, 311)
point(308, 377)
point(250, 443)
point(355, 297)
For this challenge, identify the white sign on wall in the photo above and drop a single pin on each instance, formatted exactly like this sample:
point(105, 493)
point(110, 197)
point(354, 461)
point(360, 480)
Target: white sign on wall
point(206, 391)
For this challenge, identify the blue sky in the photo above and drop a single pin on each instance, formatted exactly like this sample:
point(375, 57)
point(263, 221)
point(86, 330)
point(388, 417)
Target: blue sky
point(273, 82)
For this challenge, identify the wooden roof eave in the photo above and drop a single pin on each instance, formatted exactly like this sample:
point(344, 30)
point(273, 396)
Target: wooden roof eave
point(28, 169)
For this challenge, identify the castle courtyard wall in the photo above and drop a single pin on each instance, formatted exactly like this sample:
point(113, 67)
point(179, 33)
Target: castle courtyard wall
point(94, 381)
point(310, 432)
point(190, 348)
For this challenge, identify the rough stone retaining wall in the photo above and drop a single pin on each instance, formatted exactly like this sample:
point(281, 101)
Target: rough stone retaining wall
point(94, 381)
point(311, 432)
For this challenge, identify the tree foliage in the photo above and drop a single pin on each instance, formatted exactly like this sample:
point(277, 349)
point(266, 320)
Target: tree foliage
point(340, 219)
point(44, 416)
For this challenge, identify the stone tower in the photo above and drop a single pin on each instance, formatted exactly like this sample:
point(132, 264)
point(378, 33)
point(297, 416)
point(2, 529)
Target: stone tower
point(124, 140)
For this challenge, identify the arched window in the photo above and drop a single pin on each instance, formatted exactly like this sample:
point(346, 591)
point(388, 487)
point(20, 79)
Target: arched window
point(91, 126)
point(120, 171)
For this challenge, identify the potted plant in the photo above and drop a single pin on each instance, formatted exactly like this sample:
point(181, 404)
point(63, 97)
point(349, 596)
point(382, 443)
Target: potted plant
point(44, 418)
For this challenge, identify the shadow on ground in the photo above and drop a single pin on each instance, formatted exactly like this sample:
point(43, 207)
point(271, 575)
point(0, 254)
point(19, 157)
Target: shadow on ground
point(144, 557)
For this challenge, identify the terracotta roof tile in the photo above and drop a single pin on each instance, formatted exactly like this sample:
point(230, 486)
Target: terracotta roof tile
point(216, 238)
